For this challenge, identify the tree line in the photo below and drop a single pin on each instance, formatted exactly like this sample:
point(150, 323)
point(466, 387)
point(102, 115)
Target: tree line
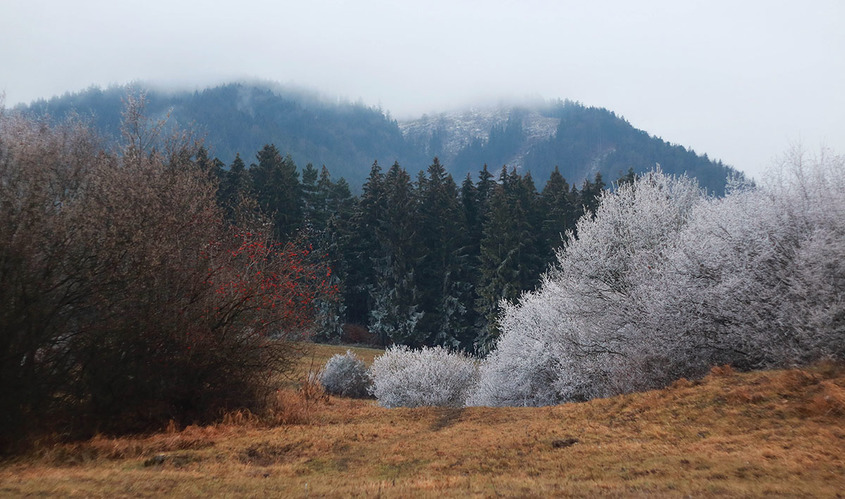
point(418, 262)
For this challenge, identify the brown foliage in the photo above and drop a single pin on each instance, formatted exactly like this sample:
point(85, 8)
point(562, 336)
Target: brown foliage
point(126, 301)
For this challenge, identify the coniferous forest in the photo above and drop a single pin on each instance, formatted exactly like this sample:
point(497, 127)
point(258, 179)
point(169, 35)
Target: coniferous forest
point(418, 261)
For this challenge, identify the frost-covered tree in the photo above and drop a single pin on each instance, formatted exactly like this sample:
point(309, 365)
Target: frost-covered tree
point(563, 341)
point(663, 283)
point(345, 375)
point(757, 277)
point(426, 377)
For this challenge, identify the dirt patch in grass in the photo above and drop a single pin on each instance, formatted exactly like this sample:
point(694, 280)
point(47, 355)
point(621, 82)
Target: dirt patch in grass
point(266, 454)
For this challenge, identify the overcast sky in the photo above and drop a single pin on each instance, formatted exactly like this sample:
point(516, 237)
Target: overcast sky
point(740, 81)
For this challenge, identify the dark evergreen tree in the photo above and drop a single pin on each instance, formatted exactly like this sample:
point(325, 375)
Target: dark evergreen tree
point(234, 184)
point(627, 179)
point(591, 194)
point(277, 190)
point(332, 222)
point(364, 244)
point(486, 185)
point(508, 260)
point(214, 168)
point(309, 194)
point(559, 214)
point(395, 314)
point(440, 283)
point(533, 258)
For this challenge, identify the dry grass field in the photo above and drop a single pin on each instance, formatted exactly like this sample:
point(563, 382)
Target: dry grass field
point(778, 433)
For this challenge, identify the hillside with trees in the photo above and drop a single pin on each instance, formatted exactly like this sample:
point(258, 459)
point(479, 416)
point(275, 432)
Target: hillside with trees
point(240, 118)
point(151, 286)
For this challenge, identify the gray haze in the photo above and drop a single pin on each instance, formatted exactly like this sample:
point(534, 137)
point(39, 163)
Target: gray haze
point(740, 81)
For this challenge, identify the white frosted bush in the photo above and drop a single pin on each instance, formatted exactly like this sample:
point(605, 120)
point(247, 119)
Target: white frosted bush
point(664, 283)
point(426, 377)
point(345, 375)
point(579, 335)
point(759, 276)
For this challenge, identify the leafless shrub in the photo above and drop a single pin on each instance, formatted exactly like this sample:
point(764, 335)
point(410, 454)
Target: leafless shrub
point(127, 302)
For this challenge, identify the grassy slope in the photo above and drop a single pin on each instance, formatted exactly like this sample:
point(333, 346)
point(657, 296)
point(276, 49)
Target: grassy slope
point(776, 432)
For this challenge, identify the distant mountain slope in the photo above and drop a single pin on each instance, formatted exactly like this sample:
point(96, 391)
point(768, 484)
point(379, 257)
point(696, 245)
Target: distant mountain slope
point(347, 138)
point(242, 118)
point(581, 141)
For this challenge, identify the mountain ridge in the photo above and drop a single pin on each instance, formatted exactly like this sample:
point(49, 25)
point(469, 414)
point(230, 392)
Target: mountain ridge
point(347, 137)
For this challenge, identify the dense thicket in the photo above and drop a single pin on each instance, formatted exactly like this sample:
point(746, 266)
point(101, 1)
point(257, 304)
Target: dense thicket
point(126, 301)
point(665, 282)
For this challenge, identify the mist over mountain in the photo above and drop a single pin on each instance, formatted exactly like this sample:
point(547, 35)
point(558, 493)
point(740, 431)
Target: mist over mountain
point(347, 137)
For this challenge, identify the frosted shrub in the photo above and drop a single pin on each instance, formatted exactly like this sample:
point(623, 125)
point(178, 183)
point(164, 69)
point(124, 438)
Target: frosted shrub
point(345, 375)
point(760, 274)
point(575, 338)
point(521, 369)
point(664, 283)
point(427, 377)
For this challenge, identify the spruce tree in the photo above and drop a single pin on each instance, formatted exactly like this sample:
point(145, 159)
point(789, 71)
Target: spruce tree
point(439, 279)
point(234, 184)
point(395, 314)
point(309, 195)
point(510, 258)
point(276, 188)
point(532, 257)
point(559, 214)
point(332, 223)
point(363, 245)
point(590, 194)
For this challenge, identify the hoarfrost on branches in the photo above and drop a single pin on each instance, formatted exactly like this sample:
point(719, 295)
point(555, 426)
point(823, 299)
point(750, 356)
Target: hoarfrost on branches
point(664, 282)
point(345, 375)
point(426, 377)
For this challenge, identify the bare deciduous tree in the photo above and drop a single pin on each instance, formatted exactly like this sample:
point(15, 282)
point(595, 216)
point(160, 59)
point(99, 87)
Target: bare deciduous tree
point(126, 300)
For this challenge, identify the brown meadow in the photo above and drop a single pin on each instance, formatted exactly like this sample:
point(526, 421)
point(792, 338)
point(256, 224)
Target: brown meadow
point(738, 434)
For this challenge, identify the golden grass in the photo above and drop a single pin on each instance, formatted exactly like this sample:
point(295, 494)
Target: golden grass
point(317, 355)
point(753, 434)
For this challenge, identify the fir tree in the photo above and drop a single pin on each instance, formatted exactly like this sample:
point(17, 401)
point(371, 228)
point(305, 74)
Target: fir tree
point(363, 245)
point(276, 187)
point(234, 185)
point(309, 194)
point(439, 241)
point(332, 220)
point(508, 263)
point(559, 214)
point(395, 314)
point(591, 193)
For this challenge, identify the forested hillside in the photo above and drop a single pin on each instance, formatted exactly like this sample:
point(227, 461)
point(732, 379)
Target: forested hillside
point(241, 118)
point(418, 261)
point(537, 137)
point(580, 141)
point(422, 251)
